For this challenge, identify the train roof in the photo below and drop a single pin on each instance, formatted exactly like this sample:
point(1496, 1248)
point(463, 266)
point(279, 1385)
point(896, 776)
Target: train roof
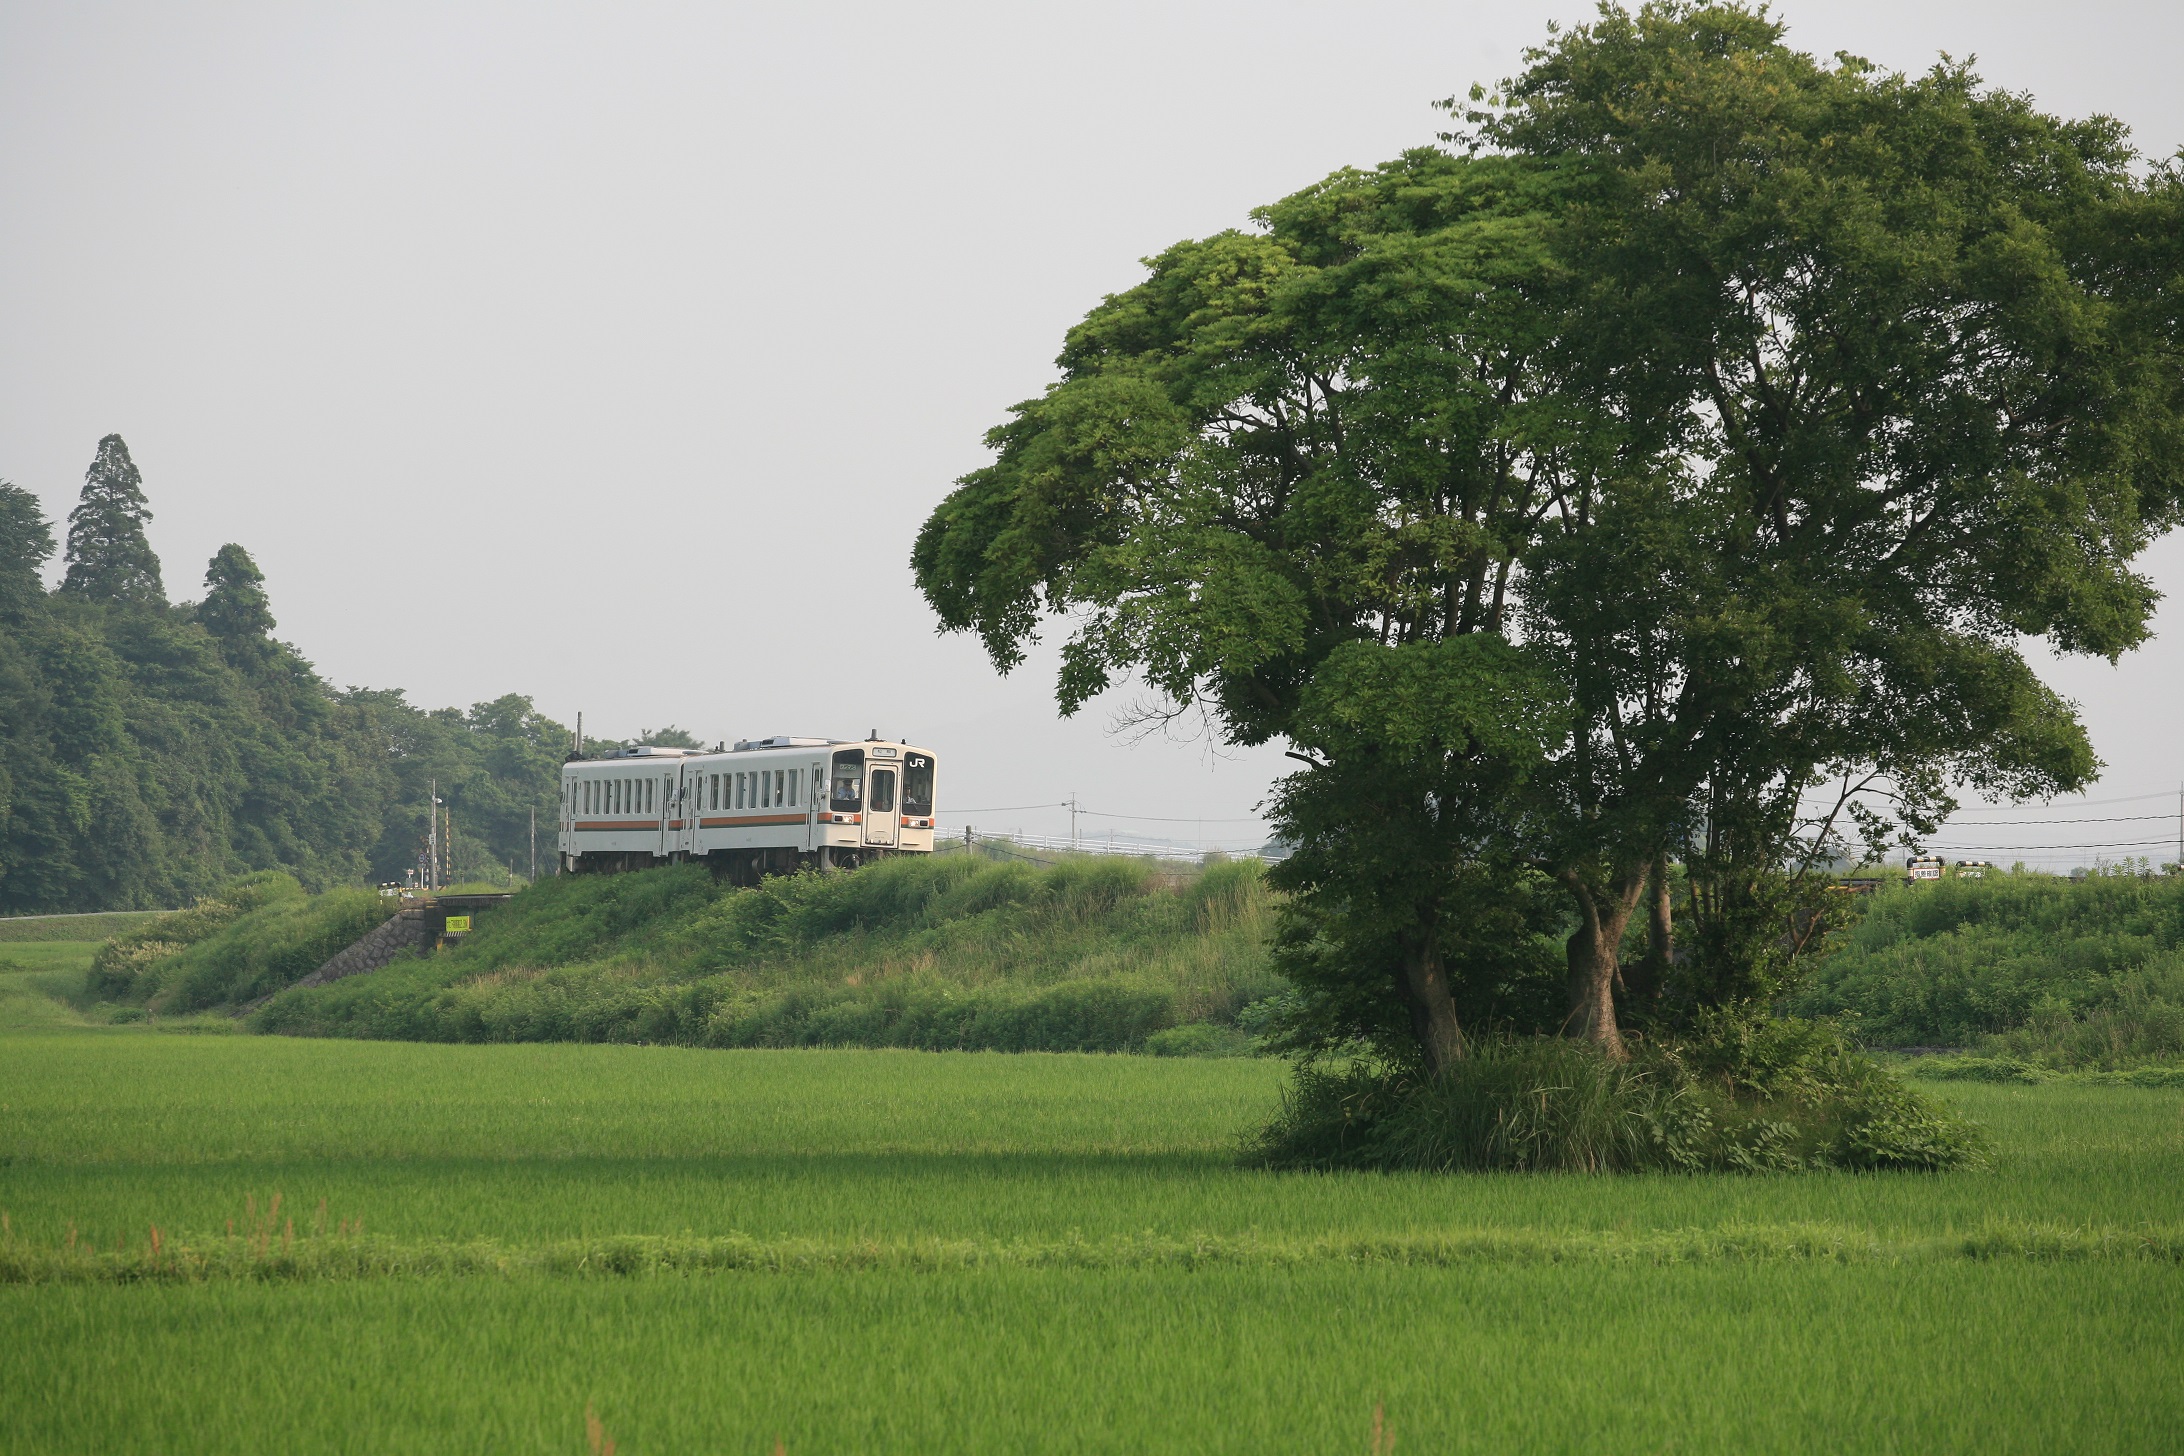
point(654, 751)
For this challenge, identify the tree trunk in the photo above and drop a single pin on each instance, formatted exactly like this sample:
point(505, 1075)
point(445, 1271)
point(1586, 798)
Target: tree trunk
point(1663, 937)
point(1594, 953)
point(1642, 981)
point(1433, 1010)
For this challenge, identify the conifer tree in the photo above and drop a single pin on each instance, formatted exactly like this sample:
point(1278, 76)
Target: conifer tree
point(109, 559)
point(26, 541)
point(235, 608)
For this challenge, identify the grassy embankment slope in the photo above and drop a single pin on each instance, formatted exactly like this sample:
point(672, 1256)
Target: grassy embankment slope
point(971, 1252)
point(2028, 969)
point(943, 952)
point(2034, 973)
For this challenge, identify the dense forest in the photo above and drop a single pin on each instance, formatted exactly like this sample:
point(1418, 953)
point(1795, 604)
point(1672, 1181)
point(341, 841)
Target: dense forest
point(152, 750)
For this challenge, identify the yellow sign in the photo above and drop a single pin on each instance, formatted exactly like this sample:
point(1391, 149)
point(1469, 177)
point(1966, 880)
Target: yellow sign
point(458, 924)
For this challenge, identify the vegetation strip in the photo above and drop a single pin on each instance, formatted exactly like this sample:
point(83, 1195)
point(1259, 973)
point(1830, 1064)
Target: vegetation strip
point(261, 1257)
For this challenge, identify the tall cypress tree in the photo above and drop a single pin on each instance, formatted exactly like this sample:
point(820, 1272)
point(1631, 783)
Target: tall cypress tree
point(109, 558)
point(26, 541)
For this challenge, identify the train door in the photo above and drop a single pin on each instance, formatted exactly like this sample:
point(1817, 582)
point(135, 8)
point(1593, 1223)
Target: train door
point(882, 812)
point(670, 806)
point(687, 808)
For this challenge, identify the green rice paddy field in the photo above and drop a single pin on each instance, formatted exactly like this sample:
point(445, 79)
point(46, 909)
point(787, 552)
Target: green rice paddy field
point(902, 1251)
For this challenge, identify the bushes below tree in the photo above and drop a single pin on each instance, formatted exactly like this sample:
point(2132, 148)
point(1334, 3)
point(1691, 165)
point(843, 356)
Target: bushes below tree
point(1548, 1104)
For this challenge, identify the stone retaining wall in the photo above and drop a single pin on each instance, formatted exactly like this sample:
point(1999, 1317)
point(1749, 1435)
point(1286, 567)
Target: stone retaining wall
point(399, 935)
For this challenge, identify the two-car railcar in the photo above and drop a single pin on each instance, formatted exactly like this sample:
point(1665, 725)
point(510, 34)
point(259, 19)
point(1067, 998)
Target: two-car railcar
point(766, 806)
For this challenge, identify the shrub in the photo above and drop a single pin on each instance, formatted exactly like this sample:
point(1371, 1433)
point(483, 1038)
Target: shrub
point(1199, 1039)
point(266, 950)
point(2073, 972)
point(1546, 1104)
point(133, 965)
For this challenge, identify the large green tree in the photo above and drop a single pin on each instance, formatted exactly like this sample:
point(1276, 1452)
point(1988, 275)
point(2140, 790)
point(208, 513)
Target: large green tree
point(1758, 405)
point(26, 544)
point(1326, 442)
point(109, 557)
point(1910, 345)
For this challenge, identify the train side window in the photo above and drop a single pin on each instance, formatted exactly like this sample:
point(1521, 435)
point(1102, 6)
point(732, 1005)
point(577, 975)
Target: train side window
point(777, 777)
point(765, 790)
point(792, 787)
point(740, 789)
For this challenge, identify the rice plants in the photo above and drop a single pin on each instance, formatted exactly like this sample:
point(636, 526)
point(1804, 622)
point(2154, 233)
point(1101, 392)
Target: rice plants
point(372, 1245)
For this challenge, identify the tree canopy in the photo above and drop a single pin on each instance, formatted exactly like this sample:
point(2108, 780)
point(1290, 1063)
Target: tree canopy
point(1758, 408)
point(149, 752)
point(109, 557)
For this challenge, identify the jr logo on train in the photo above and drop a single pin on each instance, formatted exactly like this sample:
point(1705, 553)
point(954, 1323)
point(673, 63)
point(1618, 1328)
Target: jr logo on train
point(765, 806)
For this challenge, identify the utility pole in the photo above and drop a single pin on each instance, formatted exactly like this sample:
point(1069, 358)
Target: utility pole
point(534, 843)
point(1073, 806)
point(432, 834)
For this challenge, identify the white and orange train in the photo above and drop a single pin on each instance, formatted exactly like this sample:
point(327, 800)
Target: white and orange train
point(766, 806)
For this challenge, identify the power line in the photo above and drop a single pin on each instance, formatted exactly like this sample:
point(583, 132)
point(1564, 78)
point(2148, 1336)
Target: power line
point(1006, 808)
point(1999, 848)
point(2012, 823)
point(1183, 819)
point(2079, 804)
point(953, 812)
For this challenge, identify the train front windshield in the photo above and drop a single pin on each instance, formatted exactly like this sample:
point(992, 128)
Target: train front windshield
point(845, 795)
point(917, 785)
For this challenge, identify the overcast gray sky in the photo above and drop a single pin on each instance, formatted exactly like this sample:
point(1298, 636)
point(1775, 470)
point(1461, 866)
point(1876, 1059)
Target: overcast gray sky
point(613, 354)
